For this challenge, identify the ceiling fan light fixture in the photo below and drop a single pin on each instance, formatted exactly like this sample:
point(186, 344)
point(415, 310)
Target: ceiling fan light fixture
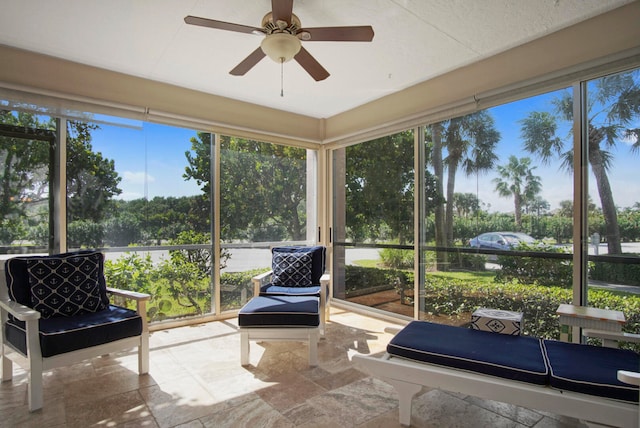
point(281, 47)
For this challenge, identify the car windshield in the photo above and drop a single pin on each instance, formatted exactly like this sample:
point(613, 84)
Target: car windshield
point(514, 238)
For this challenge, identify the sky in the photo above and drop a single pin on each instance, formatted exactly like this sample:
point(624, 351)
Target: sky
point(157, 153)
point(557, 184)
point(152, 151)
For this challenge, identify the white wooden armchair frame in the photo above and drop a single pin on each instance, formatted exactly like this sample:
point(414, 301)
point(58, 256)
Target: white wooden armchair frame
point(35, 364)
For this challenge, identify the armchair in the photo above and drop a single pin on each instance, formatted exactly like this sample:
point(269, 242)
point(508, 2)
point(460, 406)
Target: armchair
point(55, 311)
point(297, 271)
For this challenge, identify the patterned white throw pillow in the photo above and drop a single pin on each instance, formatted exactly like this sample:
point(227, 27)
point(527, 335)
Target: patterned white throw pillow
point(291, 269)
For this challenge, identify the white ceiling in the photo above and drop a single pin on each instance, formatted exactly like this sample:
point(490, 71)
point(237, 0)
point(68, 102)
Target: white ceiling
point(415, 40)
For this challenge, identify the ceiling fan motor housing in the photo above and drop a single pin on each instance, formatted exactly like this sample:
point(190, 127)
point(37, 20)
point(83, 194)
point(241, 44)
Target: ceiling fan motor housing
point(280, 47)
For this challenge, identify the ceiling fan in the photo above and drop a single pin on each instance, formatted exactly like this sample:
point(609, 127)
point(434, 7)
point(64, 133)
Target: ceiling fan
point(283, 32)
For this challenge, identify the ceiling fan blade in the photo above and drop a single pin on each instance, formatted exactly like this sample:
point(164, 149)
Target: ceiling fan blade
point(281, 10)
point(248, 63)
point(221, 25)
point(362, 33)
point(310, 64)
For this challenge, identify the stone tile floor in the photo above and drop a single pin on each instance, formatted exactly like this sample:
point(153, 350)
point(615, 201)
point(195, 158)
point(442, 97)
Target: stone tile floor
point(196, 380)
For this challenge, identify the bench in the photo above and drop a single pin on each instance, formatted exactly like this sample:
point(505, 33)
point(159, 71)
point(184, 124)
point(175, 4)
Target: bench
point(575, 380)
point(280, 318)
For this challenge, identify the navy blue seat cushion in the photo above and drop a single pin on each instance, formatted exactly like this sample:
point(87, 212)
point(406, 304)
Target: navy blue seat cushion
point(65, 334)
point(591, 369)
point(17, 274)
point(280, 311)
point(511, 357)
point(297, 266)
point(298, 291)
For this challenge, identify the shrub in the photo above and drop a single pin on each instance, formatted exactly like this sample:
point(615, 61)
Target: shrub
point(359, 278)
point(535, 270)
point(396, 258)
point(628, 274)
point(85, 233)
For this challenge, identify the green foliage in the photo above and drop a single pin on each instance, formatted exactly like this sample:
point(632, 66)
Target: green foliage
point(122, 230)
point(379, 188)
point(538, 304)
point(536, 270)
point(617, 273)
point(131, 272)
point(85, 233)
point(358, 278)
point(396, 258)
point(12, 229)
point(199, 257)
point(233, 285)
point(180, 286)
point(265, 186)
point(475, 263)
point(92, 180)
point(185, 284)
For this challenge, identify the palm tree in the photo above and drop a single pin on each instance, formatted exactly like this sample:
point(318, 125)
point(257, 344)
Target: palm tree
point(612, 113)
point(466, 204)
point(436, 160)
point(517, 180)
point(470, 141)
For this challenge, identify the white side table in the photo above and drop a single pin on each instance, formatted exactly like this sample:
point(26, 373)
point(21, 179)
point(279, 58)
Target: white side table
point(588, 317)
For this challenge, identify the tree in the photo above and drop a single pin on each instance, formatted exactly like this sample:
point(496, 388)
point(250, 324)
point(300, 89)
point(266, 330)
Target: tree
point(380, 184)
point(438, 211)
point(517, 180)
point(92, 180)
point(24, 173)
point(612, 115)
point(466, 204)
point(470, 142)
point(537, 206)
point(262, 186)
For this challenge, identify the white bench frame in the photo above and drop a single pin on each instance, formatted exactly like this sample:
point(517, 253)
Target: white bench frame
point(36, 364)
point(408, 377)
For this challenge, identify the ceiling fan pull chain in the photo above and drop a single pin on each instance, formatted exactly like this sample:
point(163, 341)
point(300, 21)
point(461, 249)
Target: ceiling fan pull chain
point(282, 77)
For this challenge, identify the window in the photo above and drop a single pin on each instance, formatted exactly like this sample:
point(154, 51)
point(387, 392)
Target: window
point(373, 230)
point(264, 193)
point(135, 191)
point(27, 151)
point(613, 208)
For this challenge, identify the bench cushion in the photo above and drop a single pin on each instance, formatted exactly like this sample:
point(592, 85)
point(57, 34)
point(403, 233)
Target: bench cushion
point(591, 369)
point(281, 311)
point(65, 334)
point(512, 357)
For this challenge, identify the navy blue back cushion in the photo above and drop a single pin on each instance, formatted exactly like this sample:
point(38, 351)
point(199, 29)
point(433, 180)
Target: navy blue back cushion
point(17, 275)
point(511, 357)
point(591, 369)
point(297, 266)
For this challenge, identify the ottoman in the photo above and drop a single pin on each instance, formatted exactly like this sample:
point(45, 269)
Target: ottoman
point(497, 321)
point(280, 318)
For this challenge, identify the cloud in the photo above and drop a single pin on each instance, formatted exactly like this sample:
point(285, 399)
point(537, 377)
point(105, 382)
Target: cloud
point(137, 177)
